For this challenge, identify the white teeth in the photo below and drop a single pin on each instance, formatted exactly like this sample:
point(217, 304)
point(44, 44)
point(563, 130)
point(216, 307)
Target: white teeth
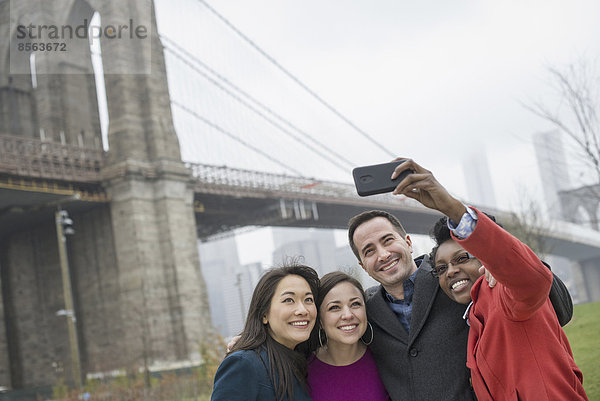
point(348, 328)
point(299, 323)
point(389, 267)
point(459, 283)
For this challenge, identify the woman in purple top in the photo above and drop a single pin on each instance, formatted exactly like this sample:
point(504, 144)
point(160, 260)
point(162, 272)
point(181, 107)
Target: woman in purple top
point(343, 368)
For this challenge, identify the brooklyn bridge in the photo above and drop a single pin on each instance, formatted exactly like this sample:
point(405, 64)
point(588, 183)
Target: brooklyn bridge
point(141, 192)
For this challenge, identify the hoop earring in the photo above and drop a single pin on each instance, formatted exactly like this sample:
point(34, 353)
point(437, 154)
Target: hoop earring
point(372, 334)
point(321, 340)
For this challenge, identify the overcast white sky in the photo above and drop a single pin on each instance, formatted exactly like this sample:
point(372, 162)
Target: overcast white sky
point(446, 78)
point(432, 80)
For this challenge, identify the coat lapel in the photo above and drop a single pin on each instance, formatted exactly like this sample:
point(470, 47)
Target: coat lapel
point(426, 288)
point(383, 316)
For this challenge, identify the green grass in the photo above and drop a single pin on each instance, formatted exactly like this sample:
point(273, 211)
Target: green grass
point(584, 336)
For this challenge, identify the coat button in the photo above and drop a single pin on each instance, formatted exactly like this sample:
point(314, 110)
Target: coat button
point(413, 352)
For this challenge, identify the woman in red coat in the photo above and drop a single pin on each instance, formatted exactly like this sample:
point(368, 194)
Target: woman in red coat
point(516, 348)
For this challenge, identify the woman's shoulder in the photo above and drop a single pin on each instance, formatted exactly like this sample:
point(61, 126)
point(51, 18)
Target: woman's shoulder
point(367, 361)
point(368, 355)
point(243, 354)
point(246, 357)
point(242, 376)
point(242, 365)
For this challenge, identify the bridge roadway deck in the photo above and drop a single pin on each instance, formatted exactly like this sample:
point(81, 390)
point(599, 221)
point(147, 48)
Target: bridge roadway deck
point(227, 198)
point(33, 183)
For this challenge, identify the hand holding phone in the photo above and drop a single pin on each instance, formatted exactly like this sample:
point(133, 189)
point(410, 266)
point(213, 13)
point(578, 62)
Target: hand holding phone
point(375, 179)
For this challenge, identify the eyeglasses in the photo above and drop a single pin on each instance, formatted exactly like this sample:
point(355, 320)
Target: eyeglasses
point(459, 259)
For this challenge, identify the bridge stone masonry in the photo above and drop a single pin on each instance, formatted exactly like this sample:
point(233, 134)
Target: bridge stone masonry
point(138, 292)
point(138, 210)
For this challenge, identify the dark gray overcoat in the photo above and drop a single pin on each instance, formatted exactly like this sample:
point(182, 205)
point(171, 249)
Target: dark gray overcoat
point(430, 362)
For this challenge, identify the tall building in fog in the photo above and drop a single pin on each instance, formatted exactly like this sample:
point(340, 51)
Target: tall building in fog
point(229, 284)
point(220, 262)
point(347, 262)
point(237, 291)
point(480, 188)
point(554, 175)
point(552, 163)
point(316, 247)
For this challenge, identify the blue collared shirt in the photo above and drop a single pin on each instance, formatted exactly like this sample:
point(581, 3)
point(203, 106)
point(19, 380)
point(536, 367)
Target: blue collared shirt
point(466, 225)
point(403, 307)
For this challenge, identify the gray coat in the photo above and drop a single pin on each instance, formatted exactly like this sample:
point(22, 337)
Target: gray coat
point(429, 363)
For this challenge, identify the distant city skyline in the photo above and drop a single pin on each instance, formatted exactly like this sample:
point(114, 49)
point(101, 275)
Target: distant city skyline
point(231, 275)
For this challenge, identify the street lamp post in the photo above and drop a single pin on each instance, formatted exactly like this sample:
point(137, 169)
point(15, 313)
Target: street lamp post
point(63, 228)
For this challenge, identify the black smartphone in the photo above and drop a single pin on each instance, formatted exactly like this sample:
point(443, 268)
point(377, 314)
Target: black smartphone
point(375, 179)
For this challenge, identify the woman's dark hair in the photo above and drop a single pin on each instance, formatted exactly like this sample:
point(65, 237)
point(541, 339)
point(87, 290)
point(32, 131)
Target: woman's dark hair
point(440, 233)
point(329, 281)
point(332, 279)
point(284, 362)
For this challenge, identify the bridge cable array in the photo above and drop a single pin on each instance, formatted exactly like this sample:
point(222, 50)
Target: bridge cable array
point(235, 138)
point(295, 79)
point(253, 104)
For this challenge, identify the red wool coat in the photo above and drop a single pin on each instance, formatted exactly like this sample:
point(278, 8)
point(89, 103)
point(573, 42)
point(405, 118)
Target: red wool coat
point(517, 349)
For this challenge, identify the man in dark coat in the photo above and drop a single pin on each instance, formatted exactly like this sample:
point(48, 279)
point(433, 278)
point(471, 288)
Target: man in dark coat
point(420, 337)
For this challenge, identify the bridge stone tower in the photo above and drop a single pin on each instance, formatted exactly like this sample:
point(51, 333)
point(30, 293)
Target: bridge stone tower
point(140, 296)
point(151, 208)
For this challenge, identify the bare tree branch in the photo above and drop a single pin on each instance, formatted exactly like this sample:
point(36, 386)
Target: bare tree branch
point(577, 113)
point(529, 224)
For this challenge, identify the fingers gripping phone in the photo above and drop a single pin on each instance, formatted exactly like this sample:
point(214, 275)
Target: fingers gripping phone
point(375, 179)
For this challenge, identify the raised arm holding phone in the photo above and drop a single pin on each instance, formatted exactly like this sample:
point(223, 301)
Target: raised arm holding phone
point(516, 347)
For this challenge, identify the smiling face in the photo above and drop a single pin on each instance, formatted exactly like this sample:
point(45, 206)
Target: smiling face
point(343, 314)
point(292, 313)
point(458, 278)
point(384, 254)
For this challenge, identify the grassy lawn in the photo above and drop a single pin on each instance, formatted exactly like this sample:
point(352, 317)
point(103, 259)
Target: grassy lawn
point(583, 332)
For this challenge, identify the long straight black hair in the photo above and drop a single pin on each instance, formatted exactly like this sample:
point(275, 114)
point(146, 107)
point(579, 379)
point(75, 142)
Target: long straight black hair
point(284, 362)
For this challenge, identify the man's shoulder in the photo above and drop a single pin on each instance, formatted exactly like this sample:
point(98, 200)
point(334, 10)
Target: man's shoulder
point(372, 291)
point(423, 263)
